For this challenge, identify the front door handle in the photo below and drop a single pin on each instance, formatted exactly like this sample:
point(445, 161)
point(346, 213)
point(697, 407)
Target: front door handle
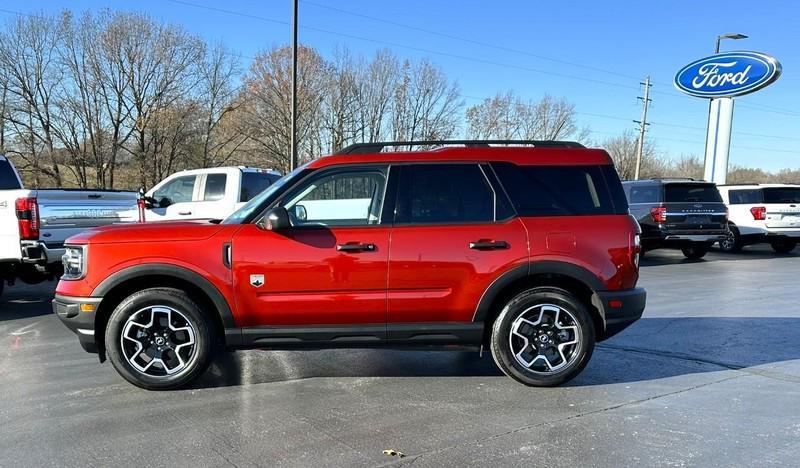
point(355, 247)
point(488, 245)
point(184, 213)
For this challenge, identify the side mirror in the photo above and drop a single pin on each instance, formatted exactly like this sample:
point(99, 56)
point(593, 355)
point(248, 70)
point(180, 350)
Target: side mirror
point(164, 202)
point(300, 212)
point(276, 219)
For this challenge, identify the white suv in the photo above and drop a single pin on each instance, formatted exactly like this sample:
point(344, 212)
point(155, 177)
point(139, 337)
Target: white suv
point(762, 213)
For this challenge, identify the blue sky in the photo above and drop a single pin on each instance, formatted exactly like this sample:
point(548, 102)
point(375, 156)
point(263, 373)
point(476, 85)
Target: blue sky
point(593, 53)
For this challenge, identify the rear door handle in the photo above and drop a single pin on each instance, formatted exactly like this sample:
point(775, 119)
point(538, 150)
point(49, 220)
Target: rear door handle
point(355, 247)
point(488, 245)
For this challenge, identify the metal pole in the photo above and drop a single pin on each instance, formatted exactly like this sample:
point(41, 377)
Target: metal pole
point(642, 125)
point(293, 158)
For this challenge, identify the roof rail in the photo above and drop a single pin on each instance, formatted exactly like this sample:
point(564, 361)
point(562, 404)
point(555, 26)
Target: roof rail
point(675, 178)
point(377, 147)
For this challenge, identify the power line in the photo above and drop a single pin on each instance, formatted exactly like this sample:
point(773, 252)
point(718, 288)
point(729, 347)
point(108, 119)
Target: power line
point(468, 40)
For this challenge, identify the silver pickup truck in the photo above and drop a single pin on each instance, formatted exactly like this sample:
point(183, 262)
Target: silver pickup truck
point(35, 223)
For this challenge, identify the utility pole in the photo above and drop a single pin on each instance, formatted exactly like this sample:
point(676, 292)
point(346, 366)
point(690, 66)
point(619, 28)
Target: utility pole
point(642, 125)
point(293, 156)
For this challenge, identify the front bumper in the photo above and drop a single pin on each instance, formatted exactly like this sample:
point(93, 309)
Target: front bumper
point(621, 309)
point(68, 310)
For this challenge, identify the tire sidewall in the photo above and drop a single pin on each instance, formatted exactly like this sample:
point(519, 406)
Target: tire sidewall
point(168, 297)
point(501, 349)
point(737, 241)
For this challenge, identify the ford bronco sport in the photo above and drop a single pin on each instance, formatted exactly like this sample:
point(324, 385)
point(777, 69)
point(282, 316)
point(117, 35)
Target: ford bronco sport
point(528, 250)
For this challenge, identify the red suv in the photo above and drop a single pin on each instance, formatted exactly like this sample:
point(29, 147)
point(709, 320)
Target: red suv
point(527, 249)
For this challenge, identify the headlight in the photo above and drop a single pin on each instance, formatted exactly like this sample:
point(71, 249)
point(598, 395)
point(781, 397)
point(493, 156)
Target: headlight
point(74, 261)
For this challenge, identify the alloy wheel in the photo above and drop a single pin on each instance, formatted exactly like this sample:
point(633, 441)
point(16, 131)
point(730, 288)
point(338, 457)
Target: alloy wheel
point(158, 341)
point(545, 338)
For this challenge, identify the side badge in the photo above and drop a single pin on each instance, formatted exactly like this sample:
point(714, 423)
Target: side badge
point(257, 280)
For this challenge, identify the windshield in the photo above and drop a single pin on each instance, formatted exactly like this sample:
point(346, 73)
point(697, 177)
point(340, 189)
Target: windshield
point(691, 193)
point(782, 195)
point(255, 204)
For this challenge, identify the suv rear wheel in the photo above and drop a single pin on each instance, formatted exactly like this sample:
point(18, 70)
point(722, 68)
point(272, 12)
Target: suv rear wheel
point(543, 337)
point(783, 245)
point(696, 250)
point(159, 339)
point(732, 242)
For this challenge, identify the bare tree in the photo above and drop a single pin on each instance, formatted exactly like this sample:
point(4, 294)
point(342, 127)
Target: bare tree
point(29, 58)
point(427, 105)
point(377, 92)
point(623, 151)
point(507, 116)
point(217, 103)
point(267, 104)
point(342, 100)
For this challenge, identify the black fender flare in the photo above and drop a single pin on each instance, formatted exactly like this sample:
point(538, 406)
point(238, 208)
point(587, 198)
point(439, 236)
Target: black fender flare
point(570, 270)
point(163, 269)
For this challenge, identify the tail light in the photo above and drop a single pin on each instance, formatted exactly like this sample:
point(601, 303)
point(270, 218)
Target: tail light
point(635, 243)
point(659, 214)
point(28, 218)
point(759, 213)
point(142, 207)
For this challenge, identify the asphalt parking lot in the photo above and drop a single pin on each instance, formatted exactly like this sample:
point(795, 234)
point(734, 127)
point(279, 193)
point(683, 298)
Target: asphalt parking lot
point(709, 376)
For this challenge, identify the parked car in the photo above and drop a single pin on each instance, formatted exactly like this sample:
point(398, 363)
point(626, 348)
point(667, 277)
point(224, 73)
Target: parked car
point(527, 251)
point(35, 223)
point(206, 193)
point(762, 213)
point(678, 213)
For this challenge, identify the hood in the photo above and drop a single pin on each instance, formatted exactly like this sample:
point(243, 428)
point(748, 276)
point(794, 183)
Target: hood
point(163, 231)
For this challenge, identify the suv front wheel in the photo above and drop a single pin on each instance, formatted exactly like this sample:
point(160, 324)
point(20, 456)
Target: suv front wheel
point(543, 337)
point(159, 339)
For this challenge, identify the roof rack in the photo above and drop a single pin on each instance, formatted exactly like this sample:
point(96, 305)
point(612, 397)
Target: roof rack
point(377, 147)
point(676, 178)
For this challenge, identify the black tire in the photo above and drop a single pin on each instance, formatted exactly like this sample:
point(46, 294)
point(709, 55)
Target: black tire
point(783, 245)
point(523, 305)
point(189, 313)
point(696, 250)
point(733, 243)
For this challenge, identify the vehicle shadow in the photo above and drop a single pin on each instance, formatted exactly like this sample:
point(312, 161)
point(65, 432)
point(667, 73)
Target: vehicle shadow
point(653, 348)
point(24, 301)
point(673, 257)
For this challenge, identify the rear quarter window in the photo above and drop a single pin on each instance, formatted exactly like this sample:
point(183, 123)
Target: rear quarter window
point(645, 194)
point(254, 183)
point(8, 179)
point(562, 190)
point(745, 197)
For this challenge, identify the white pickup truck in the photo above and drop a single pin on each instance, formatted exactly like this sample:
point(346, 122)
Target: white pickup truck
point(35, 223)
point(762, 213)
point(211, 193)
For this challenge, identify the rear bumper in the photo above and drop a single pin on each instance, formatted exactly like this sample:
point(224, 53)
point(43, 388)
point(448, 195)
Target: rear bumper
point(68, 310)
point(783, 232)
point(700, 237)
point(621, 309)
point(40, 253)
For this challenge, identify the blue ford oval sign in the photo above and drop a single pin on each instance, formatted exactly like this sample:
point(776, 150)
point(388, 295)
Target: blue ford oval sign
point(728, 74)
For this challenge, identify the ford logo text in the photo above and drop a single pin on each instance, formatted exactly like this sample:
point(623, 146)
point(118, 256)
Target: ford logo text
point(728, 74)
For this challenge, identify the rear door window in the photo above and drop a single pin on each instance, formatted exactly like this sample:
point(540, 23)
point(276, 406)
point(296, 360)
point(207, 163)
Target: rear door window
point(691, 193)
point(444, 194)
point(8, 178)
point(215, 187)
point(782, 195)
point(559, 190)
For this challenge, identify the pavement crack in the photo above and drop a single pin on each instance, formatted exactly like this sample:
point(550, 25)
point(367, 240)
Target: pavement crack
point(410, 460)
